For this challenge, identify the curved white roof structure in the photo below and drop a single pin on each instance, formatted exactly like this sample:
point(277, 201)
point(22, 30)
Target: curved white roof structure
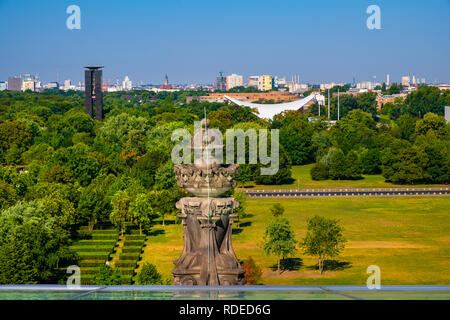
point(269, 110)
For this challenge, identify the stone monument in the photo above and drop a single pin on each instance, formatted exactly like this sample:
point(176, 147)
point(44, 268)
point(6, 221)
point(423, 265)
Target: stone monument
point(208, 257)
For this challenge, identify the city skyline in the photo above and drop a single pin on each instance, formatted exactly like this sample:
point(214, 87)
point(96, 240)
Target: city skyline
point(321, 42)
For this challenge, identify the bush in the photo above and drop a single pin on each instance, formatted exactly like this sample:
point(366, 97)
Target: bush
point(319, 171)
point(149, 275)
point(253, 272)
point(107, 276)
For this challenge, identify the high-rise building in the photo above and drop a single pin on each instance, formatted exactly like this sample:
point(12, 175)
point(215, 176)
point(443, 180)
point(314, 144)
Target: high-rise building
point(67, 84)
point(221, 82)
point(93, 88)
point(413, 79)
point(252, 82)
point(3, 85)
point(388, 82)
point(127, 84)
point(265, 82)
point(234, 80)
point(14, 84)
point(405, 81)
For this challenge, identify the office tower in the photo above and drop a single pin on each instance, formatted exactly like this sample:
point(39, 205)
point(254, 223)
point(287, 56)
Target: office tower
point(405, 81)
point(234, 80)
point(388, 82)
point(14, 84)
point(127, 84)
point(93, 89)
point(221, 83)
point(252, 81)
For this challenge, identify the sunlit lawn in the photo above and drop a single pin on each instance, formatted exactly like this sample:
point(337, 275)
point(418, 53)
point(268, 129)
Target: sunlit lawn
point(407, 237)
point(303, 180)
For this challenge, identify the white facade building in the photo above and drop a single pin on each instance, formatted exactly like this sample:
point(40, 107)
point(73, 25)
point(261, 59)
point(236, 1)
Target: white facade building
point(127, 84)
point(234, 80)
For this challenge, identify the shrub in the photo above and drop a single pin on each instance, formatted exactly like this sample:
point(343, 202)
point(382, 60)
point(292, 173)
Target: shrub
point(149, 275)
point(107, 276)
point(253, 272)
point(319, 171)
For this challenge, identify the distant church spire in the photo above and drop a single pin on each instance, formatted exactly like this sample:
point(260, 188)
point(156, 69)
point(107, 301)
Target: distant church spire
point(166, 80)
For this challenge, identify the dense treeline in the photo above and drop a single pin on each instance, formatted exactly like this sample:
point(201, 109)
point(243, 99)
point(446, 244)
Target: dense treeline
point(61, 169)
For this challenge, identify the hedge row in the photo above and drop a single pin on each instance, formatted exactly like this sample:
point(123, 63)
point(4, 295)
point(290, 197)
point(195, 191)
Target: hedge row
point(129, 256)
point(94, 242)
point(131, 249)
point(98, 257)
point(133, 243)
point(135, 237)
point(98, 237)
point(91, 263)
point(82, 249)
point(126, 264)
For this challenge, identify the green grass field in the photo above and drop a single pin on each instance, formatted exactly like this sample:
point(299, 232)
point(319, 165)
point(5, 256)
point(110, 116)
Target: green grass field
point(304, 181)
point(407, 237)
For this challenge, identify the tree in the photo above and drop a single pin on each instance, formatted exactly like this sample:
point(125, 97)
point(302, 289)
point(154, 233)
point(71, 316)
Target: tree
point(58, 174)
point(149, 275)
point(163, 202)
point(30, 249)
point(141, 210)
point(8, 195)
point(252, 273)
point(319, 171)
point(295, 137)
point(121, 208)
point(354, 168)
point(323, 239)
point(433, 122)
point(279, 239)
point(107, 276)
point(240, 197)
point(277, 210)
point(337, 165)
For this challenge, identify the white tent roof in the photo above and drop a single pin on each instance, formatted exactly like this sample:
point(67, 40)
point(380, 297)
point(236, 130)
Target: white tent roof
point(269, 110)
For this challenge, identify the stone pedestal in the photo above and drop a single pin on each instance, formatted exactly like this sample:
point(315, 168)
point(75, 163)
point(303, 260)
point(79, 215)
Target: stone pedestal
point(208, 257)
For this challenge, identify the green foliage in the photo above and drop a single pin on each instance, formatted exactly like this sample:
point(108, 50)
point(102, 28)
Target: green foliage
point(319, 171)
point(296, 139)
point(323, 239)
point(279, 239)
point(106, 276)
point(149, 275)
point(30, 249)
point(120, 212)
point(277, 210)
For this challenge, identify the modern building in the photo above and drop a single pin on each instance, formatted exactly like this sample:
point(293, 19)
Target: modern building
point(388, 81)
point(221, 82)
point(381, 100)
point(265, 82)
point(234, 80)
point(15, 84)
point(252, 82)
point(276, 96)
point(93, 89)
point(127, 84)
point(405, 81)
point(29, 84)
point(3, 85)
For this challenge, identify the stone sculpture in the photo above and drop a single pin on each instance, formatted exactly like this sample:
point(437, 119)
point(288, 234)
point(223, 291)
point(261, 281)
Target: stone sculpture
point(208, 257)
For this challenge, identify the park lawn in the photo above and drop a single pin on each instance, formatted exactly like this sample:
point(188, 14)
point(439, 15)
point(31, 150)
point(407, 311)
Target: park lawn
point(407, 237)
point(303, 180)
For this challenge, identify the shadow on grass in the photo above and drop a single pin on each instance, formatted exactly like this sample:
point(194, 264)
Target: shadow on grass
point(288, 264)
point(332, 265)
point(236, 230)
point(245, 224)
point(156, 232)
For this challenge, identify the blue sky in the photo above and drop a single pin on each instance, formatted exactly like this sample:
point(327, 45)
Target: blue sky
point(193, 40)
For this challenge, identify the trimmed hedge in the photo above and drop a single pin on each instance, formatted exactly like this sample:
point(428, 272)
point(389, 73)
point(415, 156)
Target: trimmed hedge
point(94, 243)
point(96, 257)
point(129, 256)
point(92, 249)
point(133, 243)
point(134, 237)
point(126, 264)
point(131, 249)
point(127, 271)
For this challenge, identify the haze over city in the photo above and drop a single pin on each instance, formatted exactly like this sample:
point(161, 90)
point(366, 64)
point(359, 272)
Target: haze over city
point(191, 41)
